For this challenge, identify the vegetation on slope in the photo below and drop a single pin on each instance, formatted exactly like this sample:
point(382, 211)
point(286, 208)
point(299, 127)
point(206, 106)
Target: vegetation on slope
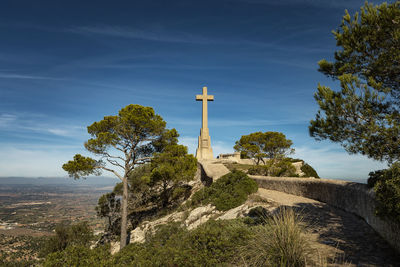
point(386, 184)
point(278, 241)
point(229, 191)
point(308, 171)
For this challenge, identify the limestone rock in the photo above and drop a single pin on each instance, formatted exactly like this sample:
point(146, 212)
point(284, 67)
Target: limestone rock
point(115, 247)
point(139, 233)
point(235, 213)
point(198, 216)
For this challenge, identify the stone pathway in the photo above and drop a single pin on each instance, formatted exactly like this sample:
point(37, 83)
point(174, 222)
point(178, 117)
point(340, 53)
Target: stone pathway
point(338, 233)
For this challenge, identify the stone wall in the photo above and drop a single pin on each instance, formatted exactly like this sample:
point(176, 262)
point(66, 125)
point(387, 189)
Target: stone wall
point(349, 196)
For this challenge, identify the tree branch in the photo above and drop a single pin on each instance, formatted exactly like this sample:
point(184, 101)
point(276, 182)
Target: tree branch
point(115, 163)
point(110, 170)
point(142, 160)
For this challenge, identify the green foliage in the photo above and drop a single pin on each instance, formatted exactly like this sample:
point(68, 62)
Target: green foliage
point(259, 145)
point(109, 207)
point(211, 244)
point(131, 136)
point(74, 235)
point(278, 168)
point(257, 215)
point(81, 166)
point(387, 189)
point(279, 241)
point(375, 177)
point(258, 170)
point(78, 255)
point(308, 171)
point(364, 115)
point(123, 141)
point(229, 191)
point(170, 169)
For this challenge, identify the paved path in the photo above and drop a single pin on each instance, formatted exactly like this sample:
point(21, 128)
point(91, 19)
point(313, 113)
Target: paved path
point(338, 232)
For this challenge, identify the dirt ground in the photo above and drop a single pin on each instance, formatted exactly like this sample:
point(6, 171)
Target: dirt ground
point(337, 233)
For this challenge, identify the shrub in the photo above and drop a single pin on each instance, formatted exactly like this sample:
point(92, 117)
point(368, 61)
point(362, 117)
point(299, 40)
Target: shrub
point(213, 243)
point(76, 235)
point(282, 168)
point(387, 189)
point(258, 170)
point(309, 171)
point(276, 168)
point(375, 177)
point(229, 191)
point(277, 242)
point(77, 255)
point(257, 215)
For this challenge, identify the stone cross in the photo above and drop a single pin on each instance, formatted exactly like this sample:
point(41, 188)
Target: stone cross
point(204, 150)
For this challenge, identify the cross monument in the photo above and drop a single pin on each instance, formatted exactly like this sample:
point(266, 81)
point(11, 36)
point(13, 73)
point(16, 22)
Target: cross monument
point(204, 150)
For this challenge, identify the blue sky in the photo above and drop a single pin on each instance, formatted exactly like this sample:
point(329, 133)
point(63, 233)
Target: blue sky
point(66, 64)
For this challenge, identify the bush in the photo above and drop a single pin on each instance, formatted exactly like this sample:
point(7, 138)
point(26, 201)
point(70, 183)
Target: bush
point(276, 168)
point(282, 168)
point(213, 243)
point(77, 255)
point(74, 235)
point(277, 242)
point(258, 170)
point(387, 189)
point(375, 177)
point(308, 171)
point(229, 191)
point(257, 215)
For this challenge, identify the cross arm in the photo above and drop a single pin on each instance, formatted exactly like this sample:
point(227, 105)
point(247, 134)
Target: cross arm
point(204, 97)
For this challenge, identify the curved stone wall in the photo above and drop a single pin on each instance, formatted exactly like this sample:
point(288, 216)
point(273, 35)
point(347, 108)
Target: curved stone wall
point(349, 196)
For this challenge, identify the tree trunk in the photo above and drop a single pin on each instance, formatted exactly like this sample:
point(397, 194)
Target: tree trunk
point(124, 215)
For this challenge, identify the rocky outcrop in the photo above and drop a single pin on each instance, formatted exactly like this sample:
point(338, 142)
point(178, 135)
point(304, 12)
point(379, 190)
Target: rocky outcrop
point(193, 218)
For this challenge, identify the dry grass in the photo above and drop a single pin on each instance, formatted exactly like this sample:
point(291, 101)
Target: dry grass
point(282, 241)
point(278, 242)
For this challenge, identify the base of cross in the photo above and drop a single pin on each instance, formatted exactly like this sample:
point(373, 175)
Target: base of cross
point(204, 150)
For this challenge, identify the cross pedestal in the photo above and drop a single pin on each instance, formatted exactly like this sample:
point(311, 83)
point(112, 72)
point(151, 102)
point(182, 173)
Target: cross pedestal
point(204, 150)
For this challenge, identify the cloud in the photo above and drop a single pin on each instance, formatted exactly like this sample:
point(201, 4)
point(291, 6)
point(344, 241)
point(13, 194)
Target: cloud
point(332, 161)
point(219, 147)
point(315, 3)
point(148, 34)
point(34, 123)
point(237, 123)
point(171, 36)
point(29, 162)
point(25, 77)
point(6, 119)
point(190, 142)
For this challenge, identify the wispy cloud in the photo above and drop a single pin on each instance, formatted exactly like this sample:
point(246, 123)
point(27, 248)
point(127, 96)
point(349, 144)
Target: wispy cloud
point(25, 77)
point(22, 161)
point(26, 124)
point(219, 147)
point(173, 36)
point(6, 119)
point(148, 34)
point(237, 123)
point(332, 161)
point(316, 3)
